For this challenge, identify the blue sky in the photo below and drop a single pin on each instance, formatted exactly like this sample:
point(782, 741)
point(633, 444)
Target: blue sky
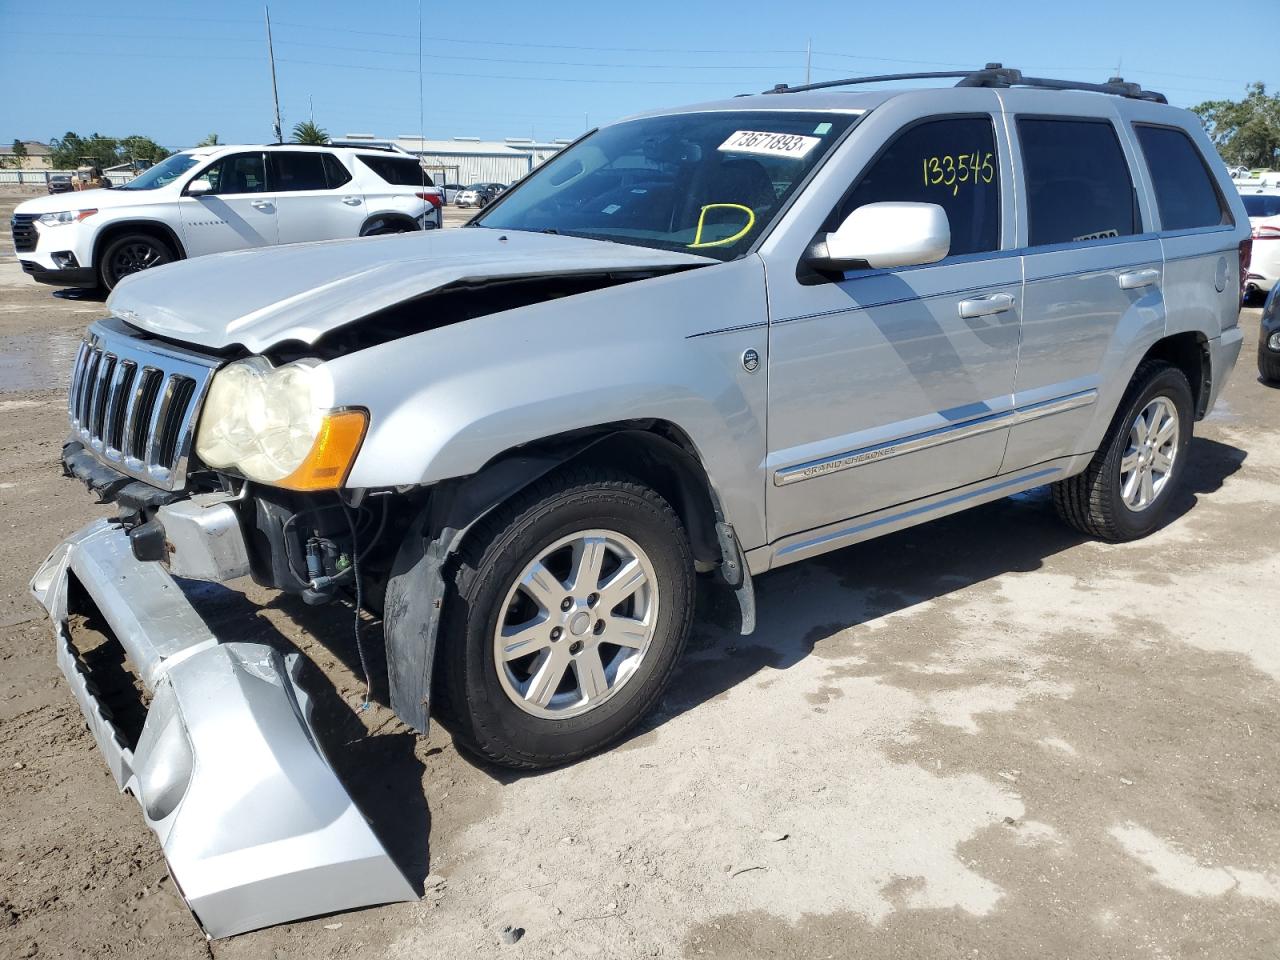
point(177, 71)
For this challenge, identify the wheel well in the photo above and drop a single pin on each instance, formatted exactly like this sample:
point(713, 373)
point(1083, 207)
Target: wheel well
point(1189, 352)
point(381, 218)
point(154, 227)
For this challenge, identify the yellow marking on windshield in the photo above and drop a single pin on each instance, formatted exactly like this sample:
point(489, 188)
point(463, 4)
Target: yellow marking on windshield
point(697, 236)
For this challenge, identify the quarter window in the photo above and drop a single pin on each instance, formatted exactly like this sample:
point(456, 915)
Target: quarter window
point(1078, 182)
point(401, 171)
point(335, 173)
point(238, 173)
point(1185, 194)
point(952, 163)
point(299, 171)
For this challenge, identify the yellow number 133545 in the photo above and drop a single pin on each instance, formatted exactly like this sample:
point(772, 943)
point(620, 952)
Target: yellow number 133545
point(951, 170)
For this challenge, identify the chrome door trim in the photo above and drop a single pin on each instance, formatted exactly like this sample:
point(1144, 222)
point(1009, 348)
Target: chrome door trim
point(932, 438)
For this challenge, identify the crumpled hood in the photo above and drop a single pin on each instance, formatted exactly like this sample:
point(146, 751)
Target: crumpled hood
point(259, 298)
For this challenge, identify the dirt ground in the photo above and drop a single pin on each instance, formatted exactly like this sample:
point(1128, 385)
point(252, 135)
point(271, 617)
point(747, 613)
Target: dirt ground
point(985, 737)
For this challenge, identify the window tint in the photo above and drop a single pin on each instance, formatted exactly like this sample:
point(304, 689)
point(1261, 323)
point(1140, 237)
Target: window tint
point(401, 171)
point(1078, 183)
point(299, 171)
point(335, 171)
point(238, 173)
point(951, 163)
point(1185, 194)
point(1261, 205)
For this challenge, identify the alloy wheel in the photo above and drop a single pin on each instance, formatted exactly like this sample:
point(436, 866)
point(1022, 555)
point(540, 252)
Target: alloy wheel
point(1148, 461)
point(576, 625)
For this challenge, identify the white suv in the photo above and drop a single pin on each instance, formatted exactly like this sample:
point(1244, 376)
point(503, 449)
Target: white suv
point(214, 199)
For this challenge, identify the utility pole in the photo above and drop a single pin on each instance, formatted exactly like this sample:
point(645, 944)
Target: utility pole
point(271, 56)
point(808, 58)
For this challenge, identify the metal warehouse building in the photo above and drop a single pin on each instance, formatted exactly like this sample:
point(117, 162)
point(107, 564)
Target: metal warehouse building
point(467, 160)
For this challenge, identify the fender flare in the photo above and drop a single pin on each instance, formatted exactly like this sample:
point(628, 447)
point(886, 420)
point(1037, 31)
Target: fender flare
point(416, 588)
point(388, 217)
point(166, 232)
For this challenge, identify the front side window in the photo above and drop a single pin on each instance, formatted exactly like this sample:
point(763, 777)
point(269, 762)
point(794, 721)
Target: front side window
point(950, 162)
point(238, 173)
point(1185, 194)
point(298, 171)
point(1077, 181)
point(706, 183)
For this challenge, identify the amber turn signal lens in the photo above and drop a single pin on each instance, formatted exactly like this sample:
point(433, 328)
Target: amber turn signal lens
point(327, 465)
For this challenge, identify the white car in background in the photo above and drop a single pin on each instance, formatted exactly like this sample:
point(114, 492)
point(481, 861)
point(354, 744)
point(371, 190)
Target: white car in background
point(215, 199)
point(1264, 216)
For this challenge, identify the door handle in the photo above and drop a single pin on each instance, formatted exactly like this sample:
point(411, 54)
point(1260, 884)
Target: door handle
point(1138, 278)
point(260, 204)
point(985, 306)
point(352, 201)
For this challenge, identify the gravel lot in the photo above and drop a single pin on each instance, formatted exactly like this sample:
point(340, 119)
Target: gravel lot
point(984, 737)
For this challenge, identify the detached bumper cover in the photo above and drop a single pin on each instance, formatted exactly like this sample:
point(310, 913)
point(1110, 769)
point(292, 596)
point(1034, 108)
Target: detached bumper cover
point(256, 827)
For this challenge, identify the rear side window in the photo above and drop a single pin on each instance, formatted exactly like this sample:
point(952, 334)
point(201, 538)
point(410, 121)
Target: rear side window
point(950, 162)
point(1077, 181)
point(1185, 193)
point(299, 171)
point(401, 171)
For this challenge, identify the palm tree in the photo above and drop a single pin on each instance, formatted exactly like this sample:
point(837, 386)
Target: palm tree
point(308, 132)
point(210, 141)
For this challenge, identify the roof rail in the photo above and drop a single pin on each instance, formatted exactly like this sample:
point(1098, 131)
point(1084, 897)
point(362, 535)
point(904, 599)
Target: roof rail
point(992, 75)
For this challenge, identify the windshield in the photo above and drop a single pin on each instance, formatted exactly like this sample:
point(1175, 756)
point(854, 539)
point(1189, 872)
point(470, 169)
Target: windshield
point(709, 183)
point(163, 173)
point(1262, 206)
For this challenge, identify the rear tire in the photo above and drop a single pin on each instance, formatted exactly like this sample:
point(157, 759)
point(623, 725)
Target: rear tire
point(535, 709)
point(1125, 491)
point(130, 254)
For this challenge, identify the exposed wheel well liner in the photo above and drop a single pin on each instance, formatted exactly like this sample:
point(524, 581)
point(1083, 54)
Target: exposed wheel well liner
point(1189, 352)
point(654, 452)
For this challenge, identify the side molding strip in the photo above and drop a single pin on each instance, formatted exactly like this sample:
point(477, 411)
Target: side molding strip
point(933, 438)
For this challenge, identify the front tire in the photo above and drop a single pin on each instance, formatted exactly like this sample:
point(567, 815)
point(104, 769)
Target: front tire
point(1125, 491)
point(130, 254)
point(569, 609)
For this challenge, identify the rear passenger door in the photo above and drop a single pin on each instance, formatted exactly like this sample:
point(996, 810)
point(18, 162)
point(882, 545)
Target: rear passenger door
point(1197, 231)
point(1093, 291)
point(313, 193)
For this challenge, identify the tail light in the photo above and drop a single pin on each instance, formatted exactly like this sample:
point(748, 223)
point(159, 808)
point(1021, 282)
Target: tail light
point(431, 198)
point(1246, 254)
point(1266, 233)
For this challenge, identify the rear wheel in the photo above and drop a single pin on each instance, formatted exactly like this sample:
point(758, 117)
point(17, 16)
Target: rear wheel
point(1125, 491)
point(569, 609)
point(130, 254)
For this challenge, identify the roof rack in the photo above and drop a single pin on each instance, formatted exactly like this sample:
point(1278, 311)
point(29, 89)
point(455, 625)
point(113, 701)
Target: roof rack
point(992, 75)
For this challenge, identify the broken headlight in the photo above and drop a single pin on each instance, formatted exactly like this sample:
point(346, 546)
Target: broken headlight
point(275, 425)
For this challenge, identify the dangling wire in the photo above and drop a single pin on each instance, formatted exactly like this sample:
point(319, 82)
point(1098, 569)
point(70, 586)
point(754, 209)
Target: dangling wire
point(355, 571)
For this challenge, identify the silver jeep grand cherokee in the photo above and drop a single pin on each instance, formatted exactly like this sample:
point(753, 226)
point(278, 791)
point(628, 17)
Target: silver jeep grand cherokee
point(699, 343)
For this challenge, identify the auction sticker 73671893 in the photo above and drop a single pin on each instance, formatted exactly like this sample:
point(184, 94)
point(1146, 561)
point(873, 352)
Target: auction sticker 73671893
point(769, 144)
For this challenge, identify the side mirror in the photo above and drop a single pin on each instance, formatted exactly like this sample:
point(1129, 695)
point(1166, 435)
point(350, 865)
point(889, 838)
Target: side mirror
point(198, 186)
point(884, 235)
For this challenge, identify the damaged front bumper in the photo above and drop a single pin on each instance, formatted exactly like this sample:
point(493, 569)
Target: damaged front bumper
point(254, 824)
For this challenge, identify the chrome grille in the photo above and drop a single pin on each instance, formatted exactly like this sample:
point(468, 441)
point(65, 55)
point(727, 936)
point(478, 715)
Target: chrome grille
point(133, 403)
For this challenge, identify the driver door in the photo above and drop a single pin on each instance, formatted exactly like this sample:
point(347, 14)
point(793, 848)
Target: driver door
point(235, 211)
point(888, 385)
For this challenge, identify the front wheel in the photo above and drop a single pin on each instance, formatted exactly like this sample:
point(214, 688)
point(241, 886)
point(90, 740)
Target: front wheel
point(1124, 492)
point(132, 254)
point(569, 609)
